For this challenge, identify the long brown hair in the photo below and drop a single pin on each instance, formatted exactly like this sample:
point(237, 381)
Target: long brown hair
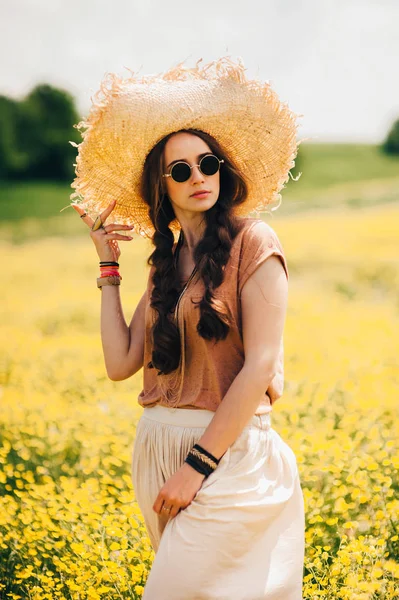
point(210, 254)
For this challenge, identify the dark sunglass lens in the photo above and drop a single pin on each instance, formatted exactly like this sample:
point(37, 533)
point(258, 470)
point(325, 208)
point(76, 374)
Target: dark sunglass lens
point(180, 172)
point(209, 165)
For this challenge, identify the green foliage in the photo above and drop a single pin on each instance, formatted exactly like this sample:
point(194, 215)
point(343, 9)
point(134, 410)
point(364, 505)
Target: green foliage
point(35, 135)
point(391, 144)
point(12, 160)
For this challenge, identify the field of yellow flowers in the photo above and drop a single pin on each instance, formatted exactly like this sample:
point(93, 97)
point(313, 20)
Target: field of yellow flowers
point(70, 527)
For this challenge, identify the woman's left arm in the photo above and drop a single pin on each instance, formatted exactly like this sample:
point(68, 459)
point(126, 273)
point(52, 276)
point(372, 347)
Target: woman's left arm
point(263, 305)
point(264, 301)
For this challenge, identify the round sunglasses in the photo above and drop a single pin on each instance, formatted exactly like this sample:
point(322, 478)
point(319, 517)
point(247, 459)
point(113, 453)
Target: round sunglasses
point(181, 171)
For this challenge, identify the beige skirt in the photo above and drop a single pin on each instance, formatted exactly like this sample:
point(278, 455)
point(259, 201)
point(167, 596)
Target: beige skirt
point(243, 535)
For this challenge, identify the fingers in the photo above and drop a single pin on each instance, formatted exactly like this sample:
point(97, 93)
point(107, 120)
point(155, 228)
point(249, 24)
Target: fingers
point(173, 512)
point(81, 211)
point(108, 210)
point(116, 227)
point(88, 220)
point(170, 514)
point(167, 514)
point(117, 236)
point(107, 228)
point(160, 504)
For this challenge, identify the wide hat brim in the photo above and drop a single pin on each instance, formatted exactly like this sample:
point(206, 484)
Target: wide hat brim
point(129, 116)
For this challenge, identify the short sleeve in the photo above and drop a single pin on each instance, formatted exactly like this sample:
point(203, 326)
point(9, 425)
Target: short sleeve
point(258, 243)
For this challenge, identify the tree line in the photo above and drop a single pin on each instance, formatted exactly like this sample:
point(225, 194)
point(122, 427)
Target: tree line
point(35, 133)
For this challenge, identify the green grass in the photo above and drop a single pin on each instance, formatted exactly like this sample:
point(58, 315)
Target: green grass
point(333, 175)
point(336, 175)
point(323, 165)
point(40, 200)
point(31, 210)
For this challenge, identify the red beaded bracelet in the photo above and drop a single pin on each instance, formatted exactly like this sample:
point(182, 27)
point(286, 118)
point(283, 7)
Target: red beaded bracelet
point(105, 272)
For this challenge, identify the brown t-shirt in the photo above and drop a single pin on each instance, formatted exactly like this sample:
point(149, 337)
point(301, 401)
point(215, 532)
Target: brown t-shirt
point(208, 368)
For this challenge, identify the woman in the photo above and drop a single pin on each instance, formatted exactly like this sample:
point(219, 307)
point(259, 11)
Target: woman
point(218, 487)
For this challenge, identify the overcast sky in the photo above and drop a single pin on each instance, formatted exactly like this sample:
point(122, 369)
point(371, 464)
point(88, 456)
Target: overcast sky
point(335, 61)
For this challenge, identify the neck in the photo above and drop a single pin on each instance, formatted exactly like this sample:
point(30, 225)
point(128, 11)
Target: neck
point(192, 235)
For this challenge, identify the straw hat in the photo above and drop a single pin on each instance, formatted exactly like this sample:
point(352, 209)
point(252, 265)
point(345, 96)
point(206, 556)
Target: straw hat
point(129, 116)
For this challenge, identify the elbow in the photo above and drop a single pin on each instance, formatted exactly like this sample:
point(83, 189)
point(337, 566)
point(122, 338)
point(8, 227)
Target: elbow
point(112, 377)
point(261, 371)
point(125, 368)
point(122, 375)
point(116, 376)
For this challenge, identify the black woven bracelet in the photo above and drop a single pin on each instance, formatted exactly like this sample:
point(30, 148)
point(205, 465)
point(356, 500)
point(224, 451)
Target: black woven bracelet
point(109, 263)
point(203, 460)
point(198, 465)
point(208, 454)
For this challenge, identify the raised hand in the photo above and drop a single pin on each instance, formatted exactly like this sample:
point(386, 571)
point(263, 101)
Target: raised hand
point(104, 239)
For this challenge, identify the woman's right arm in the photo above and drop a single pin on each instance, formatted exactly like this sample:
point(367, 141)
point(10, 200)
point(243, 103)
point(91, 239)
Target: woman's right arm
point(123, 346)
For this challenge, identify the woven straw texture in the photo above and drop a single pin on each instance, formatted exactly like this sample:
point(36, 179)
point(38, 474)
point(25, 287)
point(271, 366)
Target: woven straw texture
point(129, 116)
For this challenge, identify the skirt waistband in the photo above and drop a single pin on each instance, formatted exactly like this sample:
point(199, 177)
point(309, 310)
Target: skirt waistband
point(187, 417)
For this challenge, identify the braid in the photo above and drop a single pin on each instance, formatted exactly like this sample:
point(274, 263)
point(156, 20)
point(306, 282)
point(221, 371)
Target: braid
point(214, 249)
point(210, 255)
point(166, 353)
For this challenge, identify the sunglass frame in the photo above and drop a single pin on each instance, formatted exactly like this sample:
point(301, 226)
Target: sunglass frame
point(183, 162)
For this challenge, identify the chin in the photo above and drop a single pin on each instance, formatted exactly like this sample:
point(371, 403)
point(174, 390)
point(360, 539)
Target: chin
point(203, 205)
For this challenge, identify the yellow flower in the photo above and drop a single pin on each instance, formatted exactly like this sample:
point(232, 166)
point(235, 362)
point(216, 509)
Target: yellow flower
point(68, 511)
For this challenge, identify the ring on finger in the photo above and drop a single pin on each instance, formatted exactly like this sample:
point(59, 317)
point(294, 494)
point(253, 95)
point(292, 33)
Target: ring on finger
point(97, 223)
point(168, 508)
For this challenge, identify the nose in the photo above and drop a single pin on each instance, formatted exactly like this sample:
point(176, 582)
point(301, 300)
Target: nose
point(196, 175)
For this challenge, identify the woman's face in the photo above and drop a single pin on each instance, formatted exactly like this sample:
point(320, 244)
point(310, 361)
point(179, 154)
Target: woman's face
point(189, 148)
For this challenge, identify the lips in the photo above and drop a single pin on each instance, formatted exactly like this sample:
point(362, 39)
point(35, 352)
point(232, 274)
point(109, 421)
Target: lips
point(201, 194)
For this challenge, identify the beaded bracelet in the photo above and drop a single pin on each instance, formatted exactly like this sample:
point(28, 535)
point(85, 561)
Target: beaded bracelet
point(109, 273)
point(106, 272)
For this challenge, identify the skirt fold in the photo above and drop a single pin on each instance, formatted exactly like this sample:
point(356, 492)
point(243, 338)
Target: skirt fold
point(242, 536)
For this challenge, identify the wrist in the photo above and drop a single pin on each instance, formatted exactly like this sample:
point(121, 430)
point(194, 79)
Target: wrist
point(106, 260)
point(194, 471)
